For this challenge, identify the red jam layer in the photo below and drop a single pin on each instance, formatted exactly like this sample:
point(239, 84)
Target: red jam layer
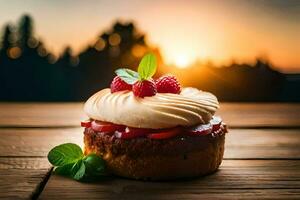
point(215, 127)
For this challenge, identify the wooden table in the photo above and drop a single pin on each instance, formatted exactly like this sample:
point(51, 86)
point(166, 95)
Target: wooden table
point(261, 161)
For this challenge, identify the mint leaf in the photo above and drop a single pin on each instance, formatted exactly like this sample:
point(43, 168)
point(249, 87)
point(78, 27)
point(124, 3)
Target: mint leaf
point(147, 66)
point(65, 170)
point(127, 75)
point(95, 165)
point(69, 160)
point(75, 170)
point(78, 170)
point(65, 154)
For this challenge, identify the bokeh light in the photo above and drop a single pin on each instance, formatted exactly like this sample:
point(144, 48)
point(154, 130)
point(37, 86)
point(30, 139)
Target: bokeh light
point(32, 42)
point(100, 44)
point(138, 50)
point(114, 39)
point(42, 51)
point(14, 52)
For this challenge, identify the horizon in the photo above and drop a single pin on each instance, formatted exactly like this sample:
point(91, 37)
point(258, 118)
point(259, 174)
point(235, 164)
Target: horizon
point(281, 50)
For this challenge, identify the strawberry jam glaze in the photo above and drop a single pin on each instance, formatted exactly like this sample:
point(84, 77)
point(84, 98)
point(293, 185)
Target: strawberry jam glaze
point(215, 127)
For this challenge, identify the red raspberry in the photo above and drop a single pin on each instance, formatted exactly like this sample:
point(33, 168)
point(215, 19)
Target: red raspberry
point(168, 84)
point(119, 85)
point(144, 88)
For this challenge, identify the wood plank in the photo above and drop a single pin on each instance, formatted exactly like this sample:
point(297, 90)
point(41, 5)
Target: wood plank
point(260, 114)
point(240, 143)
point(230, 194)
point(262, 144)
point(36, 141)
point(21, 177)
point(70, 114)
point(41, 114)
point(250, 179)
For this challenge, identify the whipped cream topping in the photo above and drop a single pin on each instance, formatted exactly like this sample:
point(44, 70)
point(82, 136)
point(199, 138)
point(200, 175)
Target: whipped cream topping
point(164, 110)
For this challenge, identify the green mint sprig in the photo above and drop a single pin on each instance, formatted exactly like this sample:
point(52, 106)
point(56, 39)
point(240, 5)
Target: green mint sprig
point(146, 70)
point(128, 75)
point(147, 66)
point(70, 161)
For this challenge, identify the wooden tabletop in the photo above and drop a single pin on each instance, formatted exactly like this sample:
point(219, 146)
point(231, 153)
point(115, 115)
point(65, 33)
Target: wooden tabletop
point(261, 161)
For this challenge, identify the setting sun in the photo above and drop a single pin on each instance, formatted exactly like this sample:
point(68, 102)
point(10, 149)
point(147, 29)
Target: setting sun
point(182, 61)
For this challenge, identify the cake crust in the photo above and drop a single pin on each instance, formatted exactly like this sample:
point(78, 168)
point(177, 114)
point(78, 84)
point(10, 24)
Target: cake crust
point(147, 159)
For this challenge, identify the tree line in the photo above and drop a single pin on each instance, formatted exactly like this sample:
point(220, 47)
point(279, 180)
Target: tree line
point(29, 72)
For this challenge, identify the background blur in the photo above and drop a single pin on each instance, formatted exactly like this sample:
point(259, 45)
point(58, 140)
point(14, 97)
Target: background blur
point(67, 50)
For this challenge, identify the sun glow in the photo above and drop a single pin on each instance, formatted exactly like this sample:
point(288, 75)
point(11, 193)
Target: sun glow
point(183, 58)
point(182, 61)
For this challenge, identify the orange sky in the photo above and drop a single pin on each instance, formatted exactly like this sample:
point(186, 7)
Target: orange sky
point(184, 30)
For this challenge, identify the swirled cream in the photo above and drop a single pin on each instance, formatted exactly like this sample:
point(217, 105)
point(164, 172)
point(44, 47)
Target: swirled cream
point(164, 110)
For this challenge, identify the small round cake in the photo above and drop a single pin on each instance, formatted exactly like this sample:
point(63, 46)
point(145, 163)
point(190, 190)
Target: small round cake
point(162, 137)
point(154, 129)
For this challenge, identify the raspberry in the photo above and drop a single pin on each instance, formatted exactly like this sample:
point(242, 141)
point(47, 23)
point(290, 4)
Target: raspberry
point(144, 88)
point(168, 84)
point(119, 85)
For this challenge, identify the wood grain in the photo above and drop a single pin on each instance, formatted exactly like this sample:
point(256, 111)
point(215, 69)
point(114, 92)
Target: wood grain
point(240, 143)
point(262, 144)
point(41, 114)
point(235, 179)
point(260, 114)
point(69, 114)
point(230, 194)
point(36, 141)
point(21, 177)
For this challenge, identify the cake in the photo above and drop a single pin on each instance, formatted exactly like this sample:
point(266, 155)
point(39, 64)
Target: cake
point(154, 129)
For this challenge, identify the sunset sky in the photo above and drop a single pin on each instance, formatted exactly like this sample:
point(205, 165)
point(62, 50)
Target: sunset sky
point(185, 30)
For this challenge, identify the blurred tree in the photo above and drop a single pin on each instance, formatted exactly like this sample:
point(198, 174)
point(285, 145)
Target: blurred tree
point(5, 41)
point(122, 46)
point(25, 31)
point(129, 38)
point(68, 64)
point(95, 72)
point(25, 67)
point(4, 71)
